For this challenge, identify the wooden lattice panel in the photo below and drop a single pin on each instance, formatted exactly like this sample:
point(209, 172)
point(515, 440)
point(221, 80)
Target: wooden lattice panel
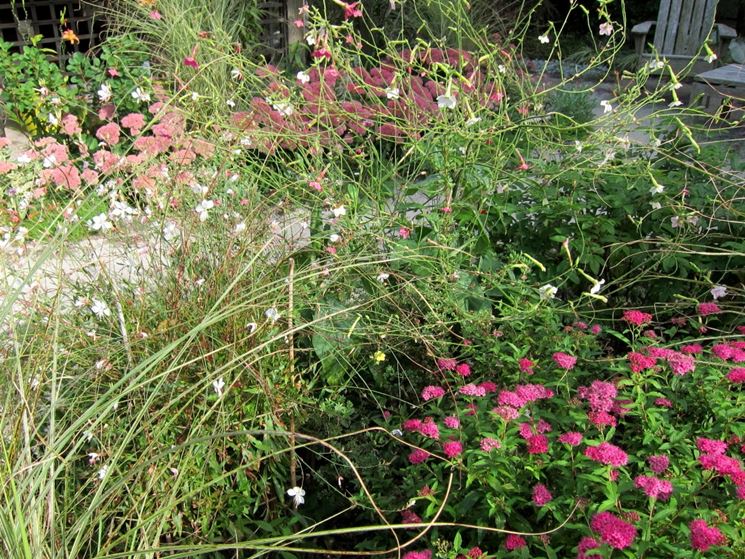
point(273, 29)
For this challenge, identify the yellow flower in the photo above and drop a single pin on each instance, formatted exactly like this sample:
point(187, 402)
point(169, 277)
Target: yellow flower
point(379, 356)
point(70, 36)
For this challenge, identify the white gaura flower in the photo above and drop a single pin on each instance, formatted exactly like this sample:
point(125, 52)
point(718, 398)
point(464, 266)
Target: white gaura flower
point(203, 209)
point(235, 73)
point(240, 227)
point(338, 212)
point(100, 309)
point(49, 161)
point(104, 93)
point(194, 96)
point(334, 238)
point(217, 386)
point(383, 277)
point(170, 231)
point(392, 93)
point(230, 103)
point(103, 471)
point(272, 314)
point(93, 457)
point(607, 107)
point(543, 39)
point(285, 109)
point(297, 494)
point(446, 101)
point(140, 95)
point(303, 77)
point(718, 291)
point(251, 327)
point(52, 119)
point(548, 291)
point(99, 222)
point(473, 120)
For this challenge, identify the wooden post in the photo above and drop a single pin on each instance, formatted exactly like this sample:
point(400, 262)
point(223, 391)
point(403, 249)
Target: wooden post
point(294, 34)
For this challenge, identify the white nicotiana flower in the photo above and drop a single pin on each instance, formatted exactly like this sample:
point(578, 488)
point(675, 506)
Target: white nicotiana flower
point(100, 309)
point(711, 58)
point(93, 457)
point(272, 314)
point(235, 73)
point(199, 282)
point(240, 227)
point(675, 222)
point(502, 69)
point(246, 141)
point(218, 386)
point(310, 38)
point(446, 101)
point(397, 433)
point(194, 96)
point(285, 109)
point(297, 494)
point(303, 77)
point(657, 189)
point(170, 231)
point(654, 65)
point(334, 238)
point(597, 286)
point(607, 107)
point(203, 209)
point(52, 119)
point(104, 93)
point(103, 471)
point(88, 436)
point(230, 103)
point(338, 212)
point(473, 120)
point(35, 383)
point(543, 39)
point(140, 95)
point(606, 29)
point(548, 291)
point(392, 93)
point(383, 277)
point(655, 205)
point(99, 222)
point(251, 327)
point(718, 291)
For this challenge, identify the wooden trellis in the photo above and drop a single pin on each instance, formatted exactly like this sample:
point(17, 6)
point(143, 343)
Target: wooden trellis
point(19, 21)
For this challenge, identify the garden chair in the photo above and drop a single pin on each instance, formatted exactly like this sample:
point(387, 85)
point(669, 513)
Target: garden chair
point(681, 29)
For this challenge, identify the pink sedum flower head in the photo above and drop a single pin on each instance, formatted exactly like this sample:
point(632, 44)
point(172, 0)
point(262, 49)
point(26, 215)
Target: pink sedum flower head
point(513, 542)
point(452, 448)
point(541, 495)
point(637, 318)
point(564, 360)
point(704, 536)
point(617, 533)
point(607, 453)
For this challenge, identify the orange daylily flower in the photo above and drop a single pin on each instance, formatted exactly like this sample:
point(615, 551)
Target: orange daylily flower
point(70, 36)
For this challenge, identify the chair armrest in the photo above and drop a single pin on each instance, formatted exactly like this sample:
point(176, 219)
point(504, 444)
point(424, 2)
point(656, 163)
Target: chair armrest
point(725, 32)
point(642, 28)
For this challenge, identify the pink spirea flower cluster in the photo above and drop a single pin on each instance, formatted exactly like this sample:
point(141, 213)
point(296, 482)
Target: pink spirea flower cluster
point(417, 456)
point(537, 444)
point(513, 542)
point(658, 463)
point(714, 458)
point(526, 366)
point(472, 390)
point(654, 487)
point(617, 533)
point(564, 360)
point(541, 495)
point(488, 444)
point(607, 453)
point(447, 363)
point(640, 362)
point(637, 318)
point(451, 422)
point(452, 448)
point(663, 403)
point(704, 536)
point(736, 375)
point(425, 554)
point(733, 351)
point(428, 427)
point(705, 309)
point(572, 438)
point(585, 544)
point(601, 397)
point(432, 392)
